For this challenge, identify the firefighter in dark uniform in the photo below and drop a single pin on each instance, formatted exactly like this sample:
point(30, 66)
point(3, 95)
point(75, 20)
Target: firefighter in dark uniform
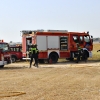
point(37, 53)
point(78, 53)
point(36, 57)
point(32, 54)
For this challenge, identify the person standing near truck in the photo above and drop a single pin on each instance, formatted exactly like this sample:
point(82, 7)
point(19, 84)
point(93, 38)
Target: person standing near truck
point(36, 57)
point(32, 52)
point(78, 53)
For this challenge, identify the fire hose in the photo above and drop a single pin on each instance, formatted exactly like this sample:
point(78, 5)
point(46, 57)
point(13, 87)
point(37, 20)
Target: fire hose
point(10, 94)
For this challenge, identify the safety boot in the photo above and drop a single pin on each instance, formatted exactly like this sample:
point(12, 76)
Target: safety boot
point(30, 65)
point(36, 65)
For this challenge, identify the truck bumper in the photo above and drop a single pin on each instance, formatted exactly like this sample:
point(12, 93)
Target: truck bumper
point(3, 63)
point(90, 54)
point(25, 58)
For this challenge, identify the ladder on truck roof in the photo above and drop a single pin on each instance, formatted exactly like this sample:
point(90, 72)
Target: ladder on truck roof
point(29, 31)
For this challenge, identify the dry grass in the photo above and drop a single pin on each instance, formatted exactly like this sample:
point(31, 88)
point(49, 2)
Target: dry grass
point(51, 82)
point(96, 55)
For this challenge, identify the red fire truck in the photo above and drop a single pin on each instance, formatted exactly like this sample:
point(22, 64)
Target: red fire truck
point(54, 44)
point(16, 52)
point(5, 57)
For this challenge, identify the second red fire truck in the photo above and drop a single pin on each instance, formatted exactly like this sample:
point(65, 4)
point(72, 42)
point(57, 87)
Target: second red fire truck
point(55, 44)
point(5, 57)
point(15, 51)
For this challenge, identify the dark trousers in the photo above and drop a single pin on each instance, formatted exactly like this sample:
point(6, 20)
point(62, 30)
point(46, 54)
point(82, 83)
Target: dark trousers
point(36, 59)
point(84, 55)
point(32, 56)
point(78, 56)
point(35, 56)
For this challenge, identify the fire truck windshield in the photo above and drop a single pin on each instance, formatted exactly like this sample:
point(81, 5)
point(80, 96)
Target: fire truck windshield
point(4, 46)
point(86, 38)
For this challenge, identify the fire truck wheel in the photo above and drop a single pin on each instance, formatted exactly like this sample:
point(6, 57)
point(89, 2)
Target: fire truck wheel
point(1, 66)
point(53, 57)
point(13, 58)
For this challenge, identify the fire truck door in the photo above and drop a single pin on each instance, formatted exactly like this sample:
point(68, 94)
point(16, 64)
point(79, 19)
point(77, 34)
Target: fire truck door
point(64, 53)
point(64, 43)
point(81, 41)
point(28, 43)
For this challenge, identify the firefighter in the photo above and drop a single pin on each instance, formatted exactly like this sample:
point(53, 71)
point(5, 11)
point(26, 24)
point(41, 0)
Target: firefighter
point(78, 53)
point(32, 54)
point(36, 57)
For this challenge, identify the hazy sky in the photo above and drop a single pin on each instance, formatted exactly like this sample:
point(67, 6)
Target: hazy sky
point(71, 15)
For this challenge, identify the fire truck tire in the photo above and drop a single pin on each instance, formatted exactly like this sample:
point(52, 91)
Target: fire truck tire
point(53, 57)
point(13, 58)
point(1, 66)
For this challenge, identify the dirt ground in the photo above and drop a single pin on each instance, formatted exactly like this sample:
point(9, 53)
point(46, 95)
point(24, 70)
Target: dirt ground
point(61, 81)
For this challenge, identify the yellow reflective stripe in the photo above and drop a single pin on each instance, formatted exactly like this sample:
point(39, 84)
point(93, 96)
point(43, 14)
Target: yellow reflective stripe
point(31, 50)
point(37, 50)
point(79, 48)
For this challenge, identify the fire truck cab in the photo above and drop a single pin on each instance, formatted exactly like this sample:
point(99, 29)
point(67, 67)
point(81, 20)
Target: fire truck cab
point(5, 57)
point(54, 44)
point(16, 52)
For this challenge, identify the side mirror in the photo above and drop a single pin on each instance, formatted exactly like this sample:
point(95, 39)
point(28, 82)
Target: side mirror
point(91, 36)
point(87, 32)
